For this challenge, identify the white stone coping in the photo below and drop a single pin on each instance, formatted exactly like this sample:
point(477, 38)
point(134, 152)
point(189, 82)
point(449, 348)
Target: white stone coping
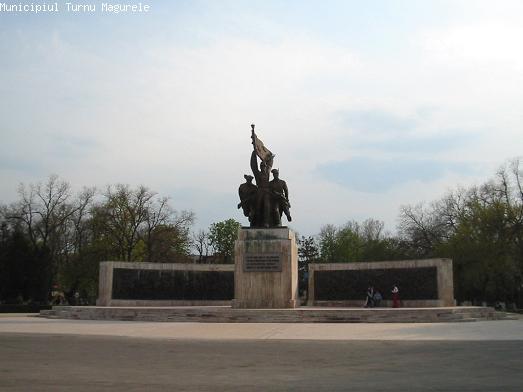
point(167, 266)
point(420, 263)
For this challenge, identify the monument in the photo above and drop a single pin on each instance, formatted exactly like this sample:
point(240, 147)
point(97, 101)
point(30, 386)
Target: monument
point(266, 255)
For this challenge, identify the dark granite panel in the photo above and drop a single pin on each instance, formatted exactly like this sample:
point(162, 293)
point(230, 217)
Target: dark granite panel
point(172, 285)
point(413, 283)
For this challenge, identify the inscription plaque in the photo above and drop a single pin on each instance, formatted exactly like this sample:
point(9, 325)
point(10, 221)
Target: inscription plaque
point(262, 262)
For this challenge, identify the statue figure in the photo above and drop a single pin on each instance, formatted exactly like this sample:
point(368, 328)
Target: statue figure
point(263, 197)
point(247, 192)
point(265, 202)
point(280, 194)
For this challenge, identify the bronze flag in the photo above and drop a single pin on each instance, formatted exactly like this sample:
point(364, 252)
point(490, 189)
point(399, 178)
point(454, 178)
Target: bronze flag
point(263, 152)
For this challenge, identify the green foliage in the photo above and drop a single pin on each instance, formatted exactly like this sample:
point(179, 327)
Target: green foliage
point(222, 236)
point(481, 229)
point(80, 273)
point(328, 243)
point(354, 242)
point(308, 252)
point(24, 271)
point(484, 253)
point(349, 244)
point(136, 225)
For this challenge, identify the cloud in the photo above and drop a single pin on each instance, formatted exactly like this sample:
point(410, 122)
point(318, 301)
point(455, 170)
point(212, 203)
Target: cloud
point(492, 43)
point(167, 102)
point(376, 121)
point(370, 175)
point(378, 131)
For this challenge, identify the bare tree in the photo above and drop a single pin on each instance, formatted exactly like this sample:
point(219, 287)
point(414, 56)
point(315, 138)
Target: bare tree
point(372, 229)
point(80, 218)
point(159, 214)
point(44, 211)
point(422, 227)
point(202, 244)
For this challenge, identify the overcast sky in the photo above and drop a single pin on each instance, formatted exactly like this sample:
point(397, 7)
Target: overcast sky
point(368, 105)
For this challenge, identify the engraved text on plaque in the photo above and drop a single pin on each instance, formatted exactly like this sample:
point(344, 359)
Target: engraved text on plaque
point(262, 262)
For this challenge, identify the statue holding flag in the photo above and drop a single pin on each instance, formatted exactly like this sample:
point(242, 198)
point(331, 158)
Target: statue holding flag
point(269, 201)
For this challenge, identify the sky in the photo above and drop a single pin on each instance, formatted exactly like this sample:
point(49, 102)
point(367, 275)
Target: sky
point(367, 105)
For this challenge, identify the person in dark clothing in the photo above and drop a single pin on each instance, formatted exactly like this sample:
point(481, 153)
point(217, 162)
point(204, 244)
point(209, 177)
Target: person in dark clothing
point(369, 302)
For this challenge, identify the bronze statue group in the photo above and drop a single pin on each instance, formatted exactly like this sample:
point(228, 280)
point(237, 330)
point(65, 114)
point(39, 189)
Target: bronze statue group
point(266, 202)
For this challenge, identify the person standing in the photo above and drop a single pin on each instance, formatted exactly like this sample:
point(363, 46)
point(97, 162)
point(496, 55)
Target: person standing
point(369, 302)
point(395, 296)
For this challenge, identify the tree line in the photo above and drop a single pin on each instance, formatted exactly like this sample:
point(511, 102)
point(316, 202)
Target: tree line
point(480, 228)
point(52, 236)
point(54, 239)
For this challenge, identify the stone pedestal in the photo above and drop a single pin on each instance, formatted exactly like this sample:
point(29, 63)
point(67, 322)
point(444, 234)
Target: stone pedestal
point(266, 269)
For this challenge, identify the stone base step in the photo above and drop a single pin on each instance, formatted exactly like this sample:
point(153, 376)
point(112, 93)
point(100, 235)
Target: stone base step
point(506, 316)
point(226, 314)
point(48, 313)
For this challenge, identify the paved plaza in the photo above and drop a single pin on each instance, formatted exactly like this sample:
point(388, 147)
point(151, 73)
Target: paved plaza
point(64, 355)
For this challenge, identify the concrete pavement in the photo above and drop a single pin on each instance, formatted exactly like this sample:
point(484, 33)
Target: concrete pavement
point(39, 354)
point(481, 330)
point(42, 362)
